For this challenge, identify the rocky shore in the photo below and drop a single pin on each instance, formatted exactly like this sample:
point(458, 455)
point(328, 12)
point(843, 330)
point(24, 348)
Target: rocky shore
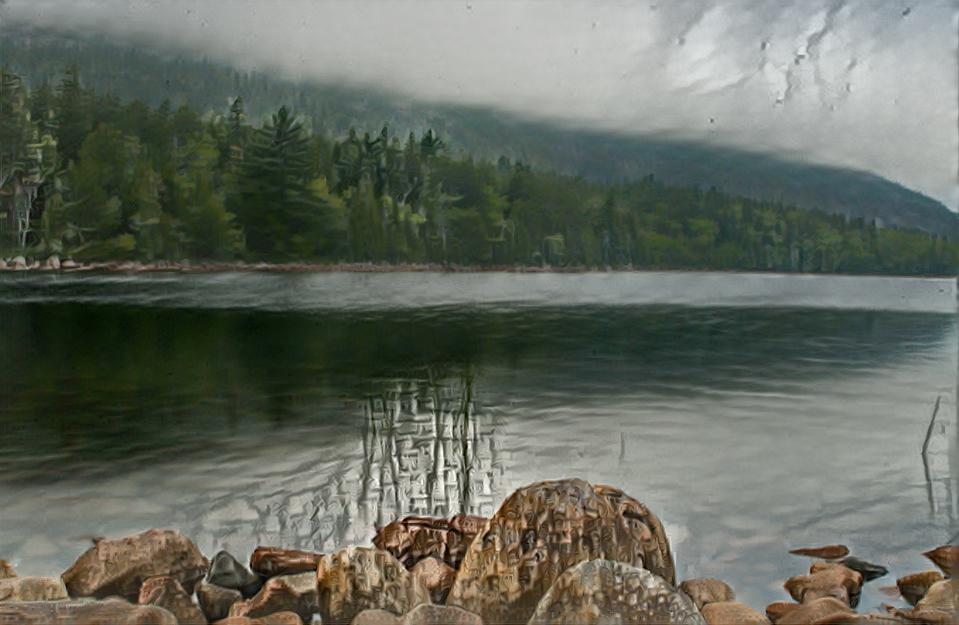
point(54, 264)
point(555, 552)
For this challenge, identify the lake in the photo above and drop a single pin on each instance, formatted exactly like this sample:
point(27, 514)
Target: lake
point(752, 413)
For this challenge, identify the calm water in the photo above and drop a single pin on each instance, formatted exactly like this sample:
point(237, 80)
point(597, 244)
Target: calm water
point(752, 413)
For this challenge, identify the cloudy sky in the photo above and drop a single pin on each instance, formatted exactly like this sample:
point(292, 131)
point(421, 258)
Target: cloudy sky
point(870, 84)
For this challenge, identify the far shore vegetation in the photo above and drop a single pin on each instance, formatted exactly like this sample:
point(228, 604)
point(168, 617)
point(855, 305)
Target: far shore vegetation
point(86, 176)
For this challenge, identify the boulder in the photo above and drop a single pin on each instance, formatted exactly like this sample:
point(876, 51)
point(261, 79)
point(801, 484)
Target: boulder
point(109, 612)
point(827, 552)
point(167, 593)
point(19, 263)
point(707, 590)
point(943, 596)
point(286, 593)
point(6, 570)
point(361, 578)
point(603, 591)
point(868, 570)
point(3, 264)
point(732, 613)
point(545, 528)
point(435, 576)
point(227, 572)
point(946, 558)
point(32, 589)
point(914, 587)
point(826, 579)
point(216, 601)
point(778, 609)
point(376, 617)
point(69, 264)
point(277, 618)
point(426, 614)
point(273, 561)
point(119, 567)
point(53, 263)
point(816, 610)
point(414, 538)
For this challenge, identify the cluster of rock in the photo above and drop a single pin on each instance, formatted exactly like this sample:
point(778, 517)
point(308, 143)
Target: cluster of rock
point(555, 552)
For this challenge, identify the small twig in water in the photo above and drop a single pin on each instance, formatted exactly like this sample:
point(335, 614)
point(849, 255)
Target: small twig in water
point(932, 423)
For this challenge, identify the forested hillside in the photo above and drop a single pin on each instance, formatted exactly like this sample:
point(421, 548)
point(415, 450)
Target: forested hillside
point(92, 176)
point(153, 76)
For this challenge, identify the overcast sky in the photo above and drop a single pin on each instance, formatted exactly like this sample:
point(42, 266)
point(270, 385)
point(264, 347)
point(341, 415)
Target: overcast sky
point(870, 84)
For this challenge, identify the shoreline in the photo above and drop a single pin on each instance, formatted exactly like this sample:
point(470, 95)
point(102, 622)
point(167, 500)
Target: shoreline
point(54, 265)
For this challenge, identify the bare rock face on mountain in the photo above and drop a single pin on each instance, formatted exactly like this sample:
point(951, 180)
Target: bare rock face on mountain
point(108, 612)
point(216, 601)
point(32, 589)
point(545, 528)
point(415, 538)
point(167, 593)
point(707, 590)
point(361, 578)
point(602, 591)
point(119, 567)
point(286, 593)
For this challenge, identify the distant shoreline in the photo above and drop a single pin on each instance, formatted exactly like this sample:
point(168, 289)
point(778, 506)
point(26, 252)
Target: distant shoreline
point(72, 267)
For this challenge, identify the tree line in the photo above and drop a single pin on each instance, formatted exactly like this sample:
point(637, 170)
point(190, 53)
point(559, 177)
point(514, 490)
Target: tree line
point(88, 176)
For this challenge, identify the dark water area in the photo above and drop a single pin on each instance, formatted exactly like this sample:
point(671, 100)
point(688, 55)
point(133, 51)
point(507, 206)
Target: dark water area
point(753, 414)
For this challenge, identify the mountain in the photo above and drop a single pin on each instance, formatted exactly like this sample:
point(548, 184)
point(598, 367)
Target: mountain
point(153, 75)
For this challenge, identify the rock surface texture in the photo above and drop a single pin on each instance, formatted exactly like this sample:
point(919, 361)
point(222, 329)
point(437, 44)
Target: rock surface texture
point(108, 612)
point(732, 613)
point(707, 590)
point(273, 561)
point(32, 589)
point(216, 601)
point(119, 567)
point(414, 538)
point(361, 578)
point(545, 528)
point(603, 591)
point(167, 593)
point(435, 576)
point(286, 593)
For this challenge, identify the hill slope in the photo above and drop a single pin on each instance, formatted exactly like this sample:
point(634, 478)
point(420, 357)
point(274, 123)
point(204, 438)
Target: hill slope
point(154, 75)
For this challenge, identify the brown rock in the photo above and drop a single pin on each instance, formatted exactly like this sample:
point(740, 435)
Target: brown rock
point(167, 593)
point(414, 538)
point(119, 567)
point(376, 617)
point(778, 609)
point(32, 589)
point(707, 590)
point(361, 578)
point(435, 576)
point(943, 595)
point(6, 570)
point(815, 610)
point(829, 552)
point(914, 587)
point(826, 580)
point(216, 601)
point(426, 614)
point(277, 618)
point(924, 616)
point(946, 558)
point(545, 528)
point(603, 591)
point(227, 572)
point(273, 561)
point(286, 593)
point(732, 613)
point(109, 612)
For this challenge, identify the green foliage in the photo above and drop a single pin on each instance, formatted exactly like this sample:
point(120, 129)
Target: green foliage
point(106, 179)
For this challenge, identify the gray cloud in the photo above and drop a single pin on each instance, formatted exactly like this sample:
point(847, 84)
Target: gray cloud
point(870, 84)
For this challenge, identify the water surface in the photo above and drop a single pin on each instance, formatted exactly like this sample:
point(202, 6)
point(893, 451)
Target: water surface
point(752, 413)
